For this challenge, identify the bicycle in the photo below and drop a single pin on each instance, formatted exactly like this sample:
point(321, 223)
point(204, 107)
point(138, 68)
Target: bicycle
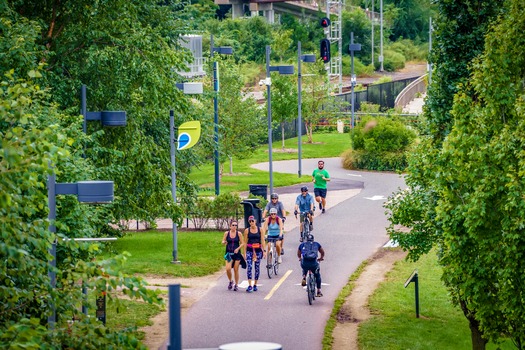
point(311, 285)
point(272, 262)
point(305, 225)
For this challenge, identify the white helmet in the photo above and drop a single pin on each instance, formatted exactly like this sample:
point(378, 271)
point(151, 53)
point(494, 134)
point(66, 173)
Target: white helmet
point(273, 211)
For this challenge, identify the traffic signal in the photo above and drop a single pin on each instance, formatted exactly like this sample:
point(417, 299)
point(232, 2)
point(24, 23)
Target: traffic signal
point(325, 50)
point(325, 22)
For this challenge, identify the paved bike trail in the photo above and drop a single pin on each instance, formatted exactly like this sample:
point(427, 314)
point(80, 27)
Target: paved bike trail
point(350, 232)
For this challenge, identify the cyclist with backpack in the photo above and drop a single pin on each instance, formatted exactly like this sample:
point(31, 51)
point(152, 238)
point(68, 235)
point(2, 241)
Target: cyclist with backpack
point(308, 253)
point(305, 204)
point(274, 226)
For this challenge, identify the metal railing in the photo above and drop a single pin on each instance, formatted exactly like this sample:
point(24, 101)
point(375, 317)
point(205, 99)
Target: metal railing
point(410, 92)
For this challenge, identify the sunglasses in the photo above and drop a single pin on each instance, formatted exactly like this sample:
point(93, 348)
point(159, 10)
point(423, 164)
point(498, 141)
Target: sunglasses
point(273, 214)
point(251, 220)
point(234, 224)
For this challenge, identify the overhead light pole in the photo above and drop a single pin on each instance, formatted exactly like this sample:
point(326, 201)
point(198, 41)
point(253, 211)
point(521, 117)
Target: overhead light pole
point(352, 48)
point(188, 89)
point(281, 70)
point(93, 192)
point(225, 50)
point(307, 59)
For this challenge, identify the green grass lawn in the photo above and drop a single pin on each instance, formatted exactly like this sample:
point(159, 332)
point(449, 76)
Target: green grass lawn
point(323, 146)
point(200, 253)
point(395, 326)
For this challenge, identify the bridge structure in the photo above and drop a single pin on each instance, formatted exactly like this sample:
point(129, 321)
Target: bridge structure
point(270, 8)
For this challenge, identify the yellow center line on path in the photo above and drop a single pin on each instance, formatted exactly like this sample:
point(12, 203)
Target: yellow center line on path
point(278, 284)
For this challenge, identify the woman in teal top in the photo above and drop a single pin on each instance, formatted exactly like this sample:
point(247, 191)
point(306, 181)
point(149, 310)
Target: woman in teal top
point(274, 226)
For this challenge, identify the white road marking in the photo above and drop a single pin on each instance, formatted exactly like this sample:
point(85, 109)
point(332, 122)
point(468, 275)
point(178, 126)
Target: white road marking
point(278, 284)
point(376, 198)
point(356, 175)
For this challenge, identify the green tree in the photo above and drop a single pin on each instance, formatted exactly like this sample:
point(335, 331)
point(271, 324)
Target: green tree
point(445, 205)
point(284, 101)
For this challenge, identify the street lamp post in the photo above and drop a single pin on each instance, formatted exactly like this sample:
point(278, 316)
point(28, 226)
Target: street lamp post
point(381, 58)
point(225, 50)
point(188, 89)
point(281, 70)
point(308, 59)
point(87, 192)
point(106, 118)
point(353, 47)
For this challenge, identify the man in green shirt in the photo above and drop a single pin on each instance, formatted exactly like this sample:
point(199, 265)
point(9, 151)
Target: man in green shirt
point(320, 177)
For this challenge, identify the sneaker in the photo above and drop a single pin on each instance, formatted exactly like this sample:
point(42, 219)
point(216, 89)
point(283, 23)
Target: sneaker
point(322, 211)
point(319, 294)
point(311, 227)
point(249, 289)
point(255, 288)
point(280, 260)
point(301, 238)
point(230, 285)
point(303, 282)
point(235, 288)
point(282, 251)
point(320, 206)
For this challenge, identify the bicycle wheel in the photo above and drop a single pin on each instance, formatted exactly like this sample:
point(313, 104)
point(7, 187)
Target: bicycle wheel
point(276, 264)
point(309, 289)
point(269, 263)
point(306, 229)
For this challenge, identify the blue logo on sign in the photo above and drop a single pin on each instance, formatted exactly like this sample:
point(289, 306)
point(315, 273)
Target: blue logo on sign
point(184, 140)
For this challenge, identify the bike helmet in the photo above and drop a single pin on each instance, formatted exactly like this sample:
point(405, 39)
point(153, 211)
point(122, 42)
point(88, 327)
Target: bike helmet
point(273, 211)
point(304, 189)
point(274, 195)
point(310, 238)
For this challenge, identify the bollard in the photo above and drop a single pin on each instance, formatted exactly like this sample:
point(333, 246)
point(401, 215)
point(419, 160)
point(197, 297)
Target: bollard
point(175, 339)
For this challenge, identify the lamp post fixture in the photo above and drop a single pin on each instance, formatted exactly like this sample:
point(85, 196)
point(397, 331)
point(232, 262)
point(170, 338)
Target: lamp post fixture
point(307, 59)
point(87, 192)
point(106, 118)
point(225, 50)
point(268, 82)
point(352, 48)
point(187, 89)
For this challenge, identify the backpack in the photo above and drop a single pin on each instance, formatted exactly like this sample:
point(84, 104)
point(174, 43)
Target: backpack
point(310, 250)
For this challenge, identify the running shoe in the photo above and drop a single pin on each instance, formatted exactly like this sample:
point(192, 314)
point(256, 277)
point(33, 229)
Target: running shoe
point(319, 294)
point(255, 288)
point(303, 282)
point(280, 260)
point(322, 211)
point(230, 285)
point(301, 238)
point(249, 289)
point(235, 288)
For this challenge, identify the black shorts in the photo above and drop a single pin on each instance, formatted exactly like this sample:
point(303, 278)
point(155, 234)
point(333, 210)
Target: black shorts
point(320, 192)
point(236, 256)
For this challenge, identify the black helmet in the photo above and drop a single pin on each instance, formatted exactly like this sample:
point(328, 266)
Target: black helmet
point(274, 195)
point(304, 189)
point(310, 238)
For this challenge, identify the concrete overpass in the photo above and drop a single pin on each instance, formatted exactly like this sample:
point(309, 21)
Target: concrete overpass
point(269, 8)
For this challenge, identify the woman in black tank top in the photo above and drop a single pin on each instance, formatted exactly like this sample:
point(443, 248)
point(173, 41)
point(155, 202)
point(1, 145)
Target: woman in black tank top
point(254, 237)
point(234, 241)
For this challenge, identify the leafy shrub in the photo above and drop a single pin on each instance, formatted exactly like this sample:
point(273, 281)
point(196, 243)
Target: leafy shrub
point(379, 144)
point(359, 68)
point(201, 212)
point(225, 208)
point(392, 61)
point(409, 50)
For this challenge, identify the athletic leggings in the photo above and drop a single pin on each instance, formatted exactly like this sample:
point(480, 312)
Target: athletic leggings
point(249, 257)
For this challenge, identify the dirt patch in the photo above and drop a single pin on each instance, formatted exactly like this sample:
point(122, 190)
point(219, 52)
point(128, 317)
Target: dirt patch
point(355, 308)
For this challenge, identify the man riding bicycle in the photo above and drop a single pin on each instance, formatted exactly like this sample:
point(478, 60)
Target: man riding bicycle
point(310, 263)
point(305, 204)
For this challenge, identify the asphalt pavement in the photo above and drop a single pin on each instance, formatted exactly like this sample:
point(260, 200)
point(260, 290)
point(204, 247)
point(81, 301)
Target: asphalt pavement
point(352, 229)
